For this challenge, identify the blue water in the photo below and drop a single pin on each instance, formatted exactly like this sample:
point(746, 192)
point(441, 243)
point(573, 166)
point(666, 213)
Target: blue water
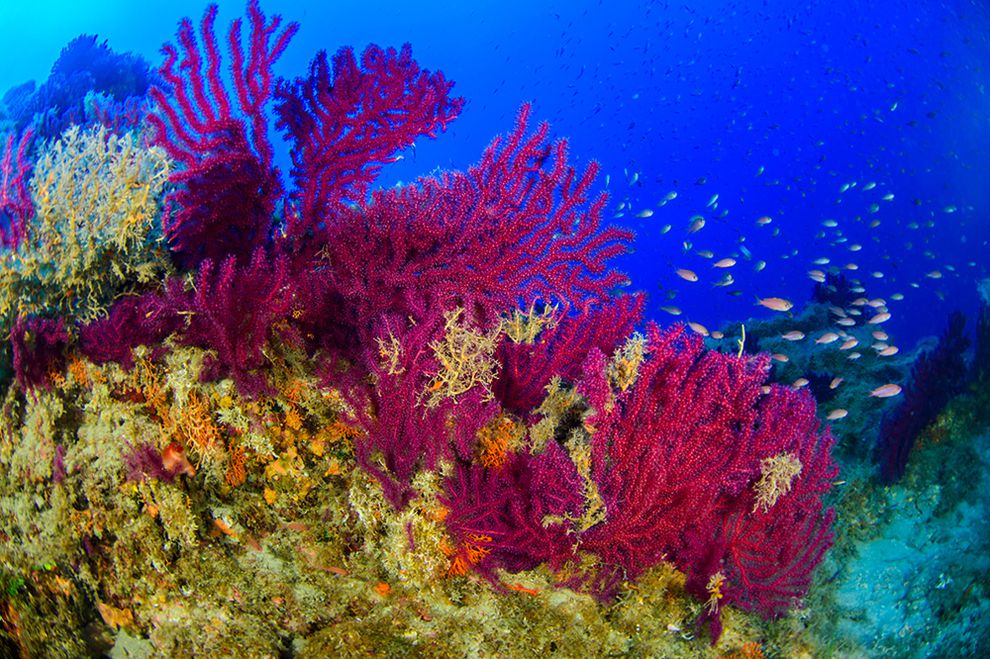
point(693, 98)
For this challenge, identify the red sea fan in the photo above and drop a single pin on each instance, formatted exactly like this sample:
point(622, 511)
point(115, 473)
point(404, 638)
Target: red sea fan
point(235, 311)
point(228, 188)
point(502, 513)
point(345, 126)
point(937, 376)
point(401, 434)
point(526, 369)
point(515, 228)
point(15, 198)
point(39, 346)
point(136, 320)
point(676, 460)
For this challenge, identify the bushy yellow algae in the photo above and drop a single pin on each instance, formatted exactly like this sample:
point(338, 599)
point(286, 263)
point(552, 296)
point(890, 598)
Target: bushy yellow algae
point(524, 326)
point(559, 408)
point(623, 369)
point(777, 473)
point(96, 234)
point(466, 358)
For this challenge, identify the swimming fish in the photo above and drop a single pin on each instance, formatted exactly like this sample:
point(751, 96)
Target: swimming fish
point(886, 391)
point(835, 415)
point(724, 263)
point(698, 328)
point(686, 275)
point(775, 303)
point(826, 338)
point(793, 335)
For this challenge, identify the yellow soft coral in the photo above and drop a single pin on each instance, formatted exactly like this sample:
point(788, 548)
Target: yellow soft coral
point(96, 232)
point(777, 474)
point(466, 358)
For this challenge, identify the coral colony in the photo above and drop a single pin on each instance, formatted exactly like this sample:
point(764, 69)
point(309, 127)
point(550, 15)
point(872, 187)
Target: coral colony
point(468, 329)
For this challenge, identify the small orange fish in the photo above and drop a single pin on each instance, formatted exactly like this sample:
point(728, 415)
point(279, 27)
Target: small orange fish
point(880, 335)
point(827, 337)
point(835, 415)
point(724, 263)
point(697, 224)
point(673, 311)
point(834, 383)
point(780, 357)
point(800, 382)
point(879, 318)
point(763, 221)
point(845, 322)
point(853, 356)
point(886, 391)
point(686, 275)
point(889, 351)
point(849, 343)
point(775, 303)
point(698, 328)
point(793, 335)
point(717, 335)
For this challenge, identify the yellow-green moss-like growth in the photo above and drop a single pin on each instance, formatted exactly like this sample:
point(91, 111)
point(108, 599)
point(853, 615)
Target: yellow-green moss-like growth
point(95, 234)
point(466, 357)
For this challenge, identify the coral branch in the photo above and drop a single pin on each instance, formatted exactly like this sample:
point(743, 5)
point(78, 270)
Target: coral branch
point(344, 126)
point(514, 229)
point(228, 189)
point(15, 198)
point(937, 376)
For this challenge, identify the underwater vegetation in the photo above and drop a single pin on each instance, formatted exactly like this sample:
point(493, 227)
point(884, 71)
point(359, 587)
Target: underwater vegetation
point(304, 414)
point(937, 377)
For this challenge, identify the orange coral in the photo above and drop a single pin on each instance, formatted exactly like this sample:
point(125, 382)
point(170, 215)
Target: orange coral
point(751, 650)
point(469, 554)
point(496, 440)
point(77, 368)
point(293, 419)
point(236, 474)
point(197, 423)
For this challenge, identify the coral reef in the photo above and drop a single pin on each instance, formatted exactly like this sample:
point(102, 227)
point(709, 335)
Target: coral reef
point(334, 419)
